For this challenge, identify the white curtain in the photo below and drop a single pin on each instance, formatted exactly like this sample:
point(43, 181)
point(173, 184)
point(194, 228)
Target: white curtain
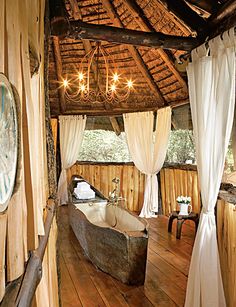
point(148, 150)
point(211, 78)
point(71, 136)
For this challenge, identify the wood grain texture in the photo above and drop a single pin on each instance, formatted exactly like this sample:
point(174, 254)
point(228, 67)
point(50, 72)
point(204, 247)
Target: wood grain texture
point(176, 182)
point(22, 23)
point(101, 175)
point(226, 231)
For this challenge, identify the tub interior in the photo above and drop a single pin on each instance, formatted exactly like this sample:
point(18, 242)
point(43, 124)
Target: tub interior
point(111, 216)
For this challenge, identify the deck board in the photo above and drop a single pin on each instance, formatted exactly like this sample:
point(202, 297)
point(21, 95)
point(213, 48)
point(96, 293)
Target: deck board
point(166, 276)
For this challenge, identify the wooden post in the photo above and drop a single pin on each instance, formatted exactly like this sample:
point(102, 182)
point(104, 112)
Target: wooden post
point(58, 62)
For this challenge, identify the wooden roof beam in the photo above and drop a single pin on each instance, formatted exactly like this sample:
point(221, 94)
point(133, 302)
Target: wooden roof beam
point(183, 11)
point(209, 6)
point(145, 25)
point(134, 52)
point(115, 125)
point(84, 30)
point(58, 63)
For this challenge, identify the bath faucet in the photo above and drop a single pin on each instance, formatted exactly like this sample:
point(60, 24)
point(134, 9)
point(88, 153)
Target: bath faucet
point(114, 196)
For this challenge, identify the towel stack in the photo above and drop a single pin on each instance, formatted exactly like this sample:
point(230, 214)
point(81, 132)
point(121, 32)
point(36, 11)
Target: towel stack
point(83, 191)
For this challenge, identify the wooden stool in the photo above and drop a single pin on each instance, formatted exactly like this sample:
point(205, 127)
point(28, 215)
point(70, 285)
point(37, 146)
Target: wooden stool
point(180, 220)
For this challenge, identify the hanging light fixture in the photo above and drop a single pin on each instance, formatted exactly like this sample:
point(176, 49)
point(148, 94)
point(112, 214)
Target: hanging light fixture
point(97, 80)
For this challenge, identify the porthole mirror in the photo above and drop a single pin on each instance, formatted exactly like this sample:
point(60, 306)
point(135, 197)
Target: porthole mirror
point(8, 142)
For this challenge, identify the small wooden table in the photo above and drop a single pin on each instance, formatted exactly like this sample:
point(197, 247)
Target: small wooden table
point(180, 220)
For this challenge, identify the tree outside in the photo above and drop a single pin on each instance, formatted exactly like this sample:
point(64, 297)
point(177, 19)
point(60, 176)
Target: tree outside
point(181, 147)
point(106, 146)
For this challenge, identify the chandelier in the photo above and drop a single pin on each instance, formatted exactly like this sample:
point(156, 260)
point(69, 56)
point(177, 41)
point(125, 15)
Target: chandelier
point(97, 80)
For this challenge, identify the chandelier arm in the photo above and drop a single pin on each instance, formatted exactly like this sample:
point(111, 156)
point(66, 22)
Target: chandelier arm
point(107, 72)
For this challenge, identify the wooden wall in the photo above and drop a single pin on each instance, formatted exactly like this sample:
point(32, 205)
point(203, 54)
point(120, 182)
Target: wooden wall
point(179, 180)
point(100, 175)
point(174, 182)
point(22, 29)
point(226, 230)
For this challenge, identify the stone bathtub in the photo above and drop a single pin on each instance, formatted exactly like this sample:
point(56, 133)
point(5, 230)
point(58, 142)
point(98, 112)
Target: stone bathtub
point(113, 239)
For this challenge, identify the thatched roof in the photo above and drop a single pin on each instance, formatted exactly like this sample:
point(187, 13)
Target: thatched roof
point(157, 79)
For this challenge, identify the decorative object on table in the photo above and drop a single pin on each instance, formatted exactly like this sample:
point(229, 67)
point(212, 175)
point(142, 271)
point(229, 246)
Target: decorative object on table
point(184, 204)
point(8, 142)
point(180, 220)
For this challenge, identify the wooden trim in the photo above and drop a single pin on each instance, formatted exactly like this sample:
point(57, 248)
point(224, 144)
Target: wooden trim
point(58, 62)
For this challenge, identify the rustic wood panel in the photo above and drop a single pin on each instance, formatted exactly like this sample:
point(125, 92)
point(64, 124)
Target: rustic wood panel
point(175, 182)
point(47, 291)
point(226, 230)
point(100, 175)
point(22, 24)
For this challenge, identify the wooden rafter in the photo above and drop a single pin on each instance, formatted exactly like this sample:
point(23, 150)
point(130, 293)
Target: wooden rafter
point(134, 52)
point(58, 62)
point(181, 25)
point(224, 12)
point(145, 25)
point(115, 125)
point(209, 6)
point(184, 13)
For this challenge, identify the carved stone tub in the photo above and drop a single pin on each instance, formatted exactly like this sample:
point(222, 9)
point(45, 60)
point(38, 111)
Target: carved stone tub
point(113, 239)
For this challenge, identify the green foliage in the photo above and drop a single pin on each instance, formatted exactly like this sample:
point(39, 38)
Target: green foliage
point(104, 146)
point(181, 147)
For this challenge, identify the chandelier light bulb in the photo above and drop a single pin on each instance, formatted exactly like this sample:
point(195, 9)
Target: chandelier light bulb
point(115, 77)
point(80, 76)
point(65, 83)
point(130, 83)
point(113, 87)
point(82, 88)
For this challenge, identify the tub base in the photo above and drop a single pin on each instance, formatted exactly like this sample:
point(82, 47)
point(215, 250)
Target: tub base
point(123, 255)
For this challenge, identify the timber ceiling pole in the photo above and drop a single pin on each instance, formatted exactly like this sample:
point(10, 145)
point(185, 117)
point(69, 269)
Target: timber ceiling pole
point(58, 62)
point(145, 25)
point(134, 52)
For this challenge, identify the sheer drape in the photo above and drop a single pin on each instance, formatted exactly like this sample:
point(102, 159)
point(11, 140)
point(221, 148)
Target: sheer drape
point(148, 150)
point(212, 96)
point(71, 135)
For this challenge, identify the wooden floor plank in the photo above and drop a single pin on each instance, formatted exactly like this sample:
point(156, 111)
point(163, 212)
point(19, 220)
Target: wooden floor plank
point(82, 284)
point(167, 269)
point(69, 296)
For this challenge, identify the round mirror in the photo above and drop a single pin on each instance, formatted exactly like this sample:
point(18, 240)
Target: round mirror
point(8, 142)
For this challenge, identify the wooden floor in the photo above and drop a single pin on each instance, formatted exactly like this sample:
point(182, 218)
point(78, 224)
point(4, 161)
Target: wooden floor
point(166, 274)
